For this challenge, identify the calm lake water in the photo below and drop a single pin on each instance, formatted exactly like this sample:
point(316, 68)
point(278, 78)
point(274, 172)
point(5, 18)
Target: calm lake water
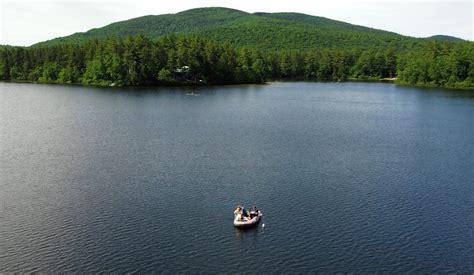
point(351, 177)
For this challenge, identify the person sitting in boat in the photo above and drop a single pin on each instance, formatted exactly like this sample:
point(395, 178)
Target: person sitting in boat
point(253, 211)
point(244, 212)
point(237, 210)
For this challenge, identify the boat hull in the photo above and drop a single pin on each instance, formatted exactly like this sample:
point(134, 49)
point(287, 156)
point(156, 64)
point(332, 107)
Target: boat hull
point(250, 223)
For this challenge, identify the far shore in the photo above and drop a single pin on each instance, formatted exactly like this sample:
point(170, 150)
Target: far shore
point(388, 80)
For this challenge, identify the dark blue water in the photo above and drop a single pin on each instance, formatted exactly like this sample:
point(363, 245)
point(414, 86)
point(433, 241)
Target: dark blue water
point(351, 177)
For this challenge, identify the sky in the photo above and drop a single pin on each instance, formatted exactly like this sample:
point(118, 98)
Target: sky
point(25, 22)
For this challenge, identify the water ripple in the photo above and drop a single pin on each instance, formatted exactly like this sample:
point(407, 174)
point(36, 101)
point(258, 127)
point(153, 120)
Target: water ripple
point(351, 178)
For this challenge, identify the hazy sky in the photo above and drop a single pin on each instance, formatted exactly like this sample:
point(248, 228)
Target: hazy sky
point(25, 22)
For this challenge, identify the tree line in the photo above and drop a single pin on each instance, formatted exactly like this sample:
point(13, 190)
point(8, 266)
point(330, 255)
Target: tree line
point(439, 65)
point(190, 60)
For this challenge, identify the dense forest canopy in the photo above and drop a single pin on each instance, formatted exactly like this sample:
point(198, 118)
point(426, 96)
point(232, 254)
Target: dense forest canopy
point(264, 31)
point(224, 46)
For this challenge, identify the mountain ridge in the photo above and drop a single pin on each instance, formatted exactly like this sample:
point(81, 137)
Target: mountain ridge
point(259, 29)
point(448, 38)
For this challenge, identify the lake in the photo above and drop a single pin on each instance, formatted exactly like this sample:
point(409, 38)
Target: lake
point(350, 177)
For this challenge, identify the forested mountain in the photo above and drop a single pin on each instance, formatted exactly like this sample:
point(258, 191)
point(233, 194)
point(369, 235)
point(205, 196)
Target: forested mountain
point(266, 31)
point(225, 46)
point(447, 38)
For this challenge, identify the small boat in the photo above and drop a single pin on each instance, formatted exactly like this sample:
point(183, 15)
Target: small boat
point(244, 222)
point(192, 94)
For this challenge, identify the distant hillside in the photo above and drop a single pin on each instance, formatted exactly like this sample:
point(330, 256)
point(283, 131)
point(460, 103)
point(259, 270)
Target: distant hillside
point(446, 38)
point(225, 46)
point(258, 30)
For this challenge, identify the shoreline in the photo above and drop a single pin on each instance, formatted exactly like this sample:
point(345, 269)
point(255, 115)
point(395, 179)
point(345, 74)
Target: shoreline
point(393, 80)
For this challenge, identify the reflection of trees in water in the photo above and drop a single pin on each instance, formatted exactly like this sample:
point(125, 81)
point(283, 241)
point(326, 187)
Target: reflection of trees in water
point(251, 233)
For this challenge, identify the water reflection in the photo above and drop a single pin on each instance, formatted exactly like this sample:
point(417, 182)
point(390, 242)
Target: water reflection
point(143, 180)
point(252, 233)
